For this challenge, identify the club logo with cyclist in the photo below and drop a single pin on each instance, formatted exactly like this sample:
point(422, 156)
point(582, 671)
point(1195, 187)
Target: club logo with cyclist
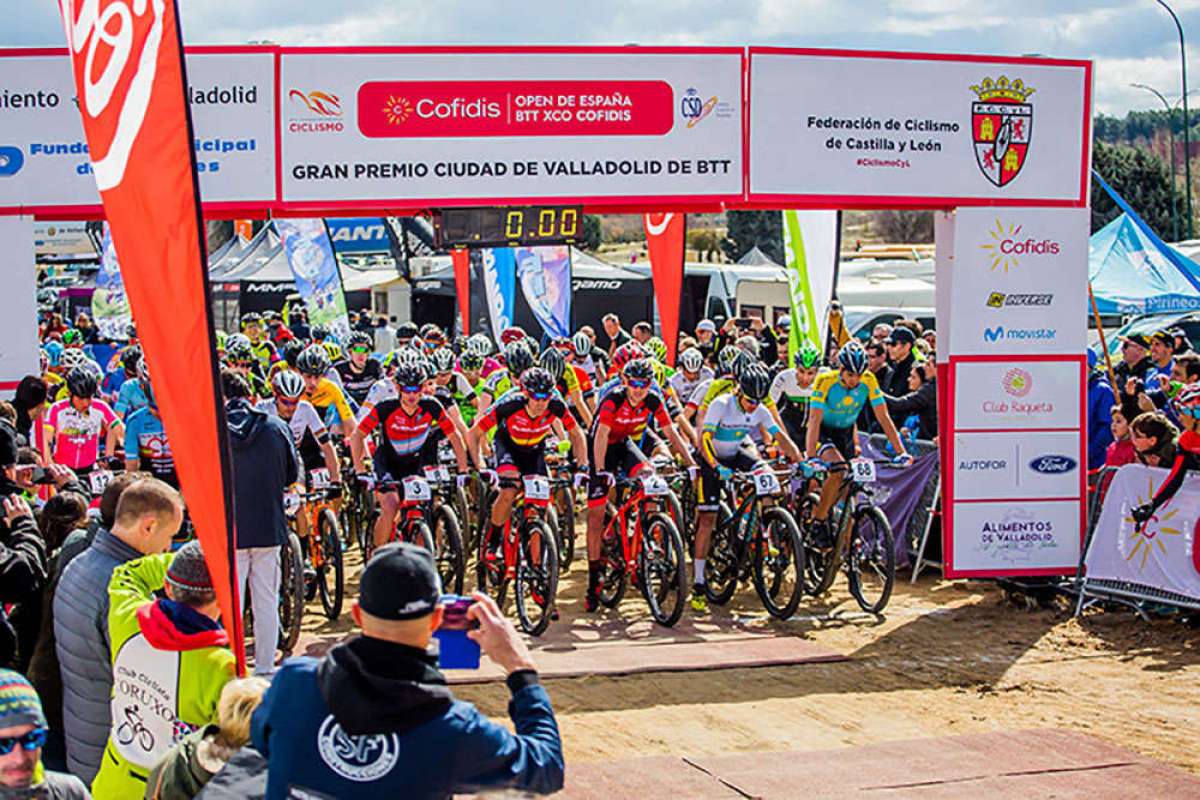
point(356, 758)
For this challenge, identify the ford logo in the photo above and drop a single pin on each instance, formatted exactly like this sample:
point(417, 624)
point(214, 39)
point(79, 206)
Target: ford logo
point(1053, 465)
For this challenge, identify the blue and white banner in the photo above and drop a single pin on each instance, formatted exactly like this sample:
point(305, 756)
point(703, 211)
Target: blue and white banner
point(499, 269)
point(359, 234)
point(110, 306)
point(545, 274)
point(318, 280)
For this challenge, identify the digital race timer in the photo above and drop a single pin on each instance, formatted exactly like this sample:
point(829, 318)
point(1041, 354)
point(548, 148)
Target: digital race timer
point(500, 227)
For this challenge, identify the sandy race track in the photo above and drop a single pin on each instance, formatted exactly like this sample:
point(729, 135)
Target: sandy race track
point(949, 658)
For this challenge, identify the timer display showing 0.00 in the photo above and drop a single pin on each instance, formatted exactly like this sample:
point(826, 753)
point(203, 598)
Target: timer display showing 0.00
point(526, 225)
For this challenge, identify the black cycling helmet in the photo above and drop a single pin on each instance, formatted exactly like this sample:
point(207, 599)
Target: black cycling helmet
point(755, 382)
point(313, 361)
point(852, 357)
point(443, 360)
point(409, 375)
point(518, 359)
point(553, 361)
point(81, 382)
point(359, 339)
point(287, 384)
point(131, 358)
point(319, 333)
point(407, 330)
point(537, 380)
point(639, 369)
point(742, 362)
point(292, 349)
point(471, 362)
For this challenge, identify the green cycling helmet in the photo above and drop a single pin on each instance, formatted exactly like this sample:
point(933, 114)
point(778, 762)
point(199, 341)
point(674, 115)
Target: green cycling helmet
point(657, 348)
point(807, 357)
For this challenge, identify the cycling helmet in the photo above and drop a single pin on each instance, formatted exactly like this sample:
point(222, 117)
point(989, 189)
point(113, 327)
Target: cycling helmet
point(741, 362)
point(238, 348)
point(409, 375)
point(73, 358)
point(657, 348)
point(292, 349)
point(514, 334)
point(131, 358)
point(391, 359)
point(726, 358)
point(554, 362)
point(53, 351)
point(72, 337)
point(271, 316)
point(853, 357)
point(409, 355)
point(582, 344)
point(1187, 402)
point(319, 333)
point(748, 343)
point(426, 366)
point(807, 357)
point(251, 318)
point(407, 330)
point(630, 351)
point(81, 382)
point(692, 360)
point(219, 335)
point(443, 360)
point(537, 380)
point(358, 339)
point(640, 369)
point(480, 344)
point(313, 361)
point(143, 372)
point(471, 362)
point(755, 382)
point(287, 384)
point(334, 351)
point(517, 358)
point(431, 332)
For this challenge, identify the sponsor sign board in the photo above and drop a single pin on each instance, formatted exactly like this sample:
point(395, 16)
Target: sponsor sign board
point(849, 127)
point(503, 125)
point(1006, 538)
point(44, 160)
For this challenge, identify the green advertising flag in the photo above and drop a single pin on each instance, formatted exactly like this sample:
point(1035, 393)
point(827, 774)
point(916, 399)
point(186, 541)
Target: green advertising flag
point(806, 325)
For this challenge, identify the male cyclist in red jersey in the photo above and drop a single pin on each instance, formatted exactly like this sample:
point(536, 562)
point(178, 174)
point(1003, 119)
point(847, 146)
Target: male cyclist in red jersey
point(406, 422)
point(522, 421)
point(620, 419)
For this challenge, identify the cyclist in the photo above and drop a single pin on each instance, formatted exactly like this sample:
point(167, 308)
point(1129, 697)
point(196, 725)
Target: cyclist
point(433, 338)
point(691, 373)
point(289, 355)
point(480, 345)
point(75, 425)
point(726, 448)
point(146, 445)
point(453, 388)
point(359, 370)
point(522, 422)
point(264, 352)
point(620, 420)
point(792, 389)
point(566, 382)
point(406, 334)
point(131, 396)
point(517, 358)
point(239, 356)
point(405, 424)
point(837, 398)
point(586, 386)
point(592, 359)
point(308, 429)
point(325, 395)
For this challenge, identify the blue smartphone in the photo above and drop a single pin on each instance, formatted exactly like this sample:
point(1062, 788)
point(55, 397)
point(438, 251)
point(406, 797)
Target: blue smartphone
point(455, 649)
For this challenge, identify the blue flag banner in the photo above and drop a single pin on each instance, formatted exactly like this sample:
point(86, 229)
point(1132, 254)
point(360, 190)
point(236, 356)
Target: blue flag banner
point(545, 275)
point(110, 306)
point(499, 269)
point(318, 280)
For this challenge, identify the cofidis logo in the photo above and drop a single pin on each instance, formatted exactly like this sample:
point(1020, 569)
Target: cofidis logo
point(1008, 246)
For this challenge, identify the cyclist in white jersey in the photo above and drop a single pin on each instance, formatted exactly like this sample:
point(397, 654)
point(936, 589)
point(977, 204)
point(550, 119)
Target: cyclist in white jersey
point(691, 374)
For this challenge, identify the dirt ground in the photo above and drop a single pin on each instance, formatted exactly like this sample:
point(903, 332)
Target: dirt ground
point(948, 657)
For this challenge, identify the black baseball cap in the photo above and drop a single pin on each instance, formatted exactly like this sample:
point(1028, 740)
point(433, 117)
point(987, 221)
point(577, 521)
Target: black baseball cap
point(400, 582)
point(1140, 339)
point(900, 336)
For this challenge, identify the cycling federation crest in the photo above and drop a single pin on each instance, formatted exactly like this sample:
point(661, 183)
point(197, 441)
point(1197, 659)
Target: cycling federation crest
point(1001, 123)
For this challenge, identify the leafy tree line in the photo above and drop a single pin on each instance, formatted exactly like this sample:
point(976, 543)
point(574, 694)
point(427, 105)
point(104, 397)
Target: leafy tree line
point(1141, 126)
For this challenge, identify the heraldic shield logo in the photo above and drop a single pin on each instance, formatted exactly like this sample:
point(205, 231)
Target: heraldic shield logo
point(1002, 123)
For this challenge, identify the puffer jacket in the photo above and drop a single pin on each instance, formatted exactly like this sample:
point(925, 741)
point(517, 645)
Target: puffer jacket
point(82, 643)
point(48, 785)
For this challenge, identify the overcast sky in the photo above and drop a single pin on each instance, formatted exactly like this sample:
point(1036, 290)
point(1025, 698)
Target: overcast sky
point(1132, 41)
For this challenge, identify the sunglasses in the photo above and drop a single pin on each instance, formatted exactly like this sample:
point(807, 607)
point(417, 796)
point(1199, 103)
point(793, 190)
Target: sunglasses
point(411, 389)
point(638, 384)
point(30, 741)
point(288, 401)
point(750, 401)
point(360, 349)
point(539, 395)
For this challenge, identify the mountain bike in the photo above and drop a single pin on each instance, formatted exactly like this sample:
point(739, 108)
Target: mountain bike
point(640, 534)
point(527, 555)
point(448, 548)
point(560, 514)
point(864, 547)
point(324, 542)
point(752, 537)
point(420, 502)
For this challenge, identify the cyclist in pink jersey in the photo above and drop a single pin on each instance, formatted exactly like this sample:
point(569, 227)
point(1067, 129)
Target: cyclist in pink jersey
point(74, 425)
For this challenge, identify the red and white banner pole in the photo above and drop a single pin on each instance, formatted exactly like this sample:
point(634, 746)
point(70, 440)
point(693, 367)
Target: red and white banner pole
point(666, 235)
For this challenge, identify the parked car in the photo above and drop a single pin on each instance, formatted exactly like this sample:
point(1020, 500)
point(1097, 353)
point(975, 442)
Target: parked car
point(861, 320)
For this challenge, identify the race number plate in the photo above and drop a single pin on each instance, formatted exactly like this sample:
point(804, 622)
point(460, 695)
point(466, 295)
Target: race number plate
point(537, 487)
point(765, 483)
point(319, 478)
point(99, 481)
point(654, 486)
point(434, 474)
point(416, 489)
point(863, 470)
point(291, 503)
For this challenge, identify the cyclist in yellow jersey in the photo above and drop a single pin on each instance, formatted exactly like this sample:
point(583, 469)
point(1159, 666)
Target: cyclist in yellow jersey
point(312, 364)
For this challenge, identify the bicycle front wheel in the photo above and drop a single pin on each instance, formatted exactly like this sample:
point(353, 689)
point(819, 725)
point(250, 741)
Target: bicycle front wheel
point(331, 574)
point(537, 578)
point(661, 570)
point(721, 570)
point(871, 560)
point(820, 563)
point(779, 563)
point(291, 593)
point(449, 553)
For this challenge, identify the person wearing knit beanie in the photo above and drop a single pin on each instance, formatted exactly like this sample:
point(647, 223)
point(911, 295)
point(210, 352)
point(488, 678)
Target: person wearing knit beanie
point(22, 734)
